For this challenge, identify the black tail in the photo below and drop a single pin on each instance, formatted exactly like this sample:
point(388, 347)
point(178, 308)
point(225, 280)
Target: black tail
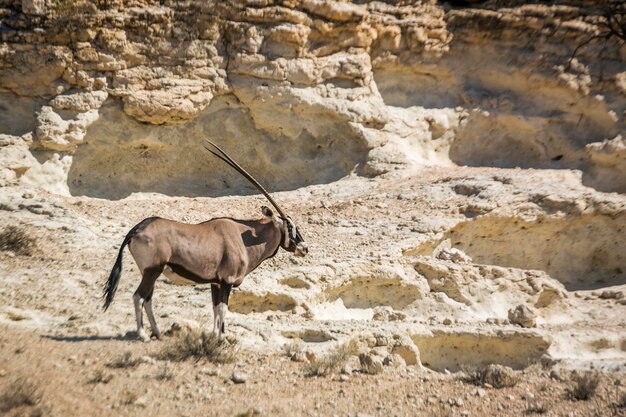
point(114, 278)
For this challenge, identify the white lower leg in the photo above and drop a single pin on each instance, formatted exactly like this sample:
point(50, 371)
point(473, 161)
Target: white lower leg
point(155, 329)
point(141, 333)
point(222, 308)
point(215, 319)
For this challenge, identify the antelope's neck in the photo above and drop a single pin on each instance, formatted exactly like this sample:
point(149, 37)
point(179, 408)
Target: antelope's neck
point(272, 236)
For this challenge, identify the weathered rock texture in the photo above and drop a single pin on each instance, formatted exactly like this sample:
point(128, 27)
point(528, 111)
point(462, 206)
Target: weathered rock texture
point(110, 98)
point(303, 91)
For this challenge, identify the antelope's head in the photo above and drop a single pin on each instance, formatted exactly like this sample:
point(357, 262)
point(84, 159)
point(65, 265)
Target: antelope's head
point(292, 239)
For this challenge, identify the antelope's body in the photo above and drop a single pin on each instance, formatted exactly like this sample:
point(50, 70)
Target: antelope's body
point(219, 252)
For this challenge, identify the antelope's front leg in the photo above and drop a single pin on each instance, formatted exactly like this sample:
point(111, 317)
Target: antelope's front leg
point(215, 296)
point(222, 307)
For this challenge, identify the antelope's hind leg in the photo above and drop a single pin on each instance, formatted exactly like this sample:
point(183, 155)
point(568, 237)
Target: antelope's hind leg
point(143, 298)
point(153, 326)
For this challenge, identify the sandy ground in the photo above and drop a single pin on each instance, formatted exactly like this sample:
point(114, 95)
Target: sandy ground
point(54, 334)
point(65, 370)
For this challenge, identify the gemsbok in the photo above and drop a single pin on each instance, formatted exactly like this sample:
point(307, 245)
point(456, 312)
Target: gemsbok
point(220, 252)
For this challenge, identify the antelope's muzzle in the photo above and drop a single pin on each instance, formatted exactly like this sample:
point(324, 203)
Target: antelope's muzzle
point(301, 249)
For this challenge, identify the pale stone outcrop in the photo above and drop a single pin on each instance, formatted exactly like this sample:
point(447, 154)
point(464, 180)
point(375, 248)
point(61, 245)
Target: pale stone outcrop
point(15, 158)
point(57, 134)
point(523, 315)
point(399, 86)
point(608, 163)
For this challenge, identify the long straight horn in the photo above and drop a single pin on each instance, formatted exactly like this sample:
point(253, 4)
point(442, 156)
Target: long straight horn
point(224, 157)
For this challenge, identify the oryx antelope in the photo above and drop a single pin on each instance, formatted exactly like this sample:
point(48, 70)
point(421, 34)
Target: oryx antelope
point(220, 252)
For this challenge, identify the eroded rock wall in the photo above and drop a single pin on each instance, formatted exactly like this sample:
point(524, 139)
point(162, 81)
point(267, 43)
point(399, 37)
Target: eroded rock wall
point(530, 102)
point(302, 91)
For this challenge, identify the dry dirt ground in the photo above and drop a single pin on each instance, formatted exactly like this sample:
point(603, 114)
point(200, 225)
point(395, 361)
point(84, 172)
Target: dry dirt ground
point(374, 245)
point(74, 376)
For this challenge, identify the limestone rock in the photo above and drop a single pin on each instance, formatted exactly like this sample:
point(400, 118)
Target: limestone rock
point(15, 159)
point(353, 364)
point(499, 376)
point(239, 377)
point(394, 360)
point(385, 313)
point(407, 350)
point(371, 364)
point(523, 316)
point(611, 295)
point(56, 133)
point(304, 72)
point(380, 351)
point(79, 102)
point(608, 163)
point(182, 326)
point(454, 255)
point(158, 107)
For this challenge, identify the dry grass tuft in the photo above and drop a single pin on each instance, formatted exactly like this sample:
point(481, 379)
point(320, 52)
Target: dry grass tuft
point(129, 397)
point(15, 239)
point(333, 361)
point(618, 407)
point(100, 377)
point(199, 344)
point(124, 361)
point(472, 375)
point(584, 386)
point(20, 393)
point(497, 376)
point(166, 373)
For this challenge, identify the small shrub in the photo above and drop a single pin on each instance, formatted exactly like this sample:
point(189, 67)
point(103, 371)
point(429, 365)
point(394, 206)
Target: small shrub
point(198, 344)
point(472, 375)
point(497, 376)
point(15, 239)
point(584, 386)
point(124, 361)
point(331, 362)
point(18, 394)
point(165, 374)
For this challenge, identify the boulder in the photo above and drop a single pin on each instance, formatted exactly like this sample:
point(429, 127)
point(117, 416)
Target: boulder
point(523, 316)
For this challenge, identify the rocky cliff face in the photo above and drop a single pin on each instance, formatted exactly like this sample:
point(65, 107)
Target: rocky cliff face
point(302, 92)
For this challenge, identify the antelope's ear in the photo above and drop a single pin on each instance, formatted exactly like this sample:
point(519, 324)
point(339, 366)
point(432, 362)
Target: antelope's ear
point(266, 211)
